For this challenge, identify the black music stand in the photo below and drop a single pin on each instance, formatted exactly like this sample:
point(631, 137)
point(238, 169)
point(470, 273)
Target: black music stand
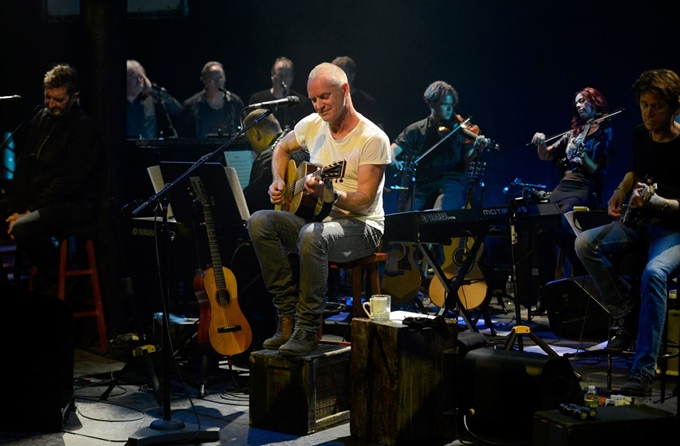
point(169, 429)
point(232, 211)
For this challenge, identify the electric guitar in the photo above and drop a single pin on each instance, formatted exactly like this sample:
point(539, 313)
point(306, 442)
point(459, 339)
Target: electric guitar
point(631, 215)
point(299, 202)
point(401, 276)
point(222, 327)
point(473, 290)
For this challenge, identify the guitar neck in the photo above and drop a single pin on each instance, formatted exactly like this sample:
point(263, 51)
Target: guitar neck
point(220, 281)
point(404, 191)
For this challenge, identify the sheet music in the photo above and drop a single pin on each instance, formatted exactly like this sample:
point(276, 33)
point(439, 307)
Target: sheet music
point(242, 161)
point(233, 177)
point(158, 184)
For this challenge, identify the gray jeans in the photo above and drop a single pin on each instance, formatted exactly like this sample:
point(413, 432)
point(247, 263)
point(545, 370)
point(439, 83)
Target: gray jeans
point(275, 234)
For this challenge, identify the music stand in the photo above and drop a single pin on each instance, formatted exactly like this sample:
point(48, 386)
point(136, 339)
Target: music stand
point(219, 181)
point(168, 429)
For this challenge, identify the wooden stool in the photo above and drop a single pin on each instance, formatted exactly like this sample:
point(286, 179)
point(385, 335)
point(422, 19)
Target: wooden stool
point(358, 266)
point(87, 234)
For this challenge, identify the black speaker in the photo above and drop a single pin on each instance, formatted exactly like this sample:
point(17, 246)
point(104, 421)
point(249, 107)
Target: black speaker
point(501, 390)
point(572, 310)
point(37, 371)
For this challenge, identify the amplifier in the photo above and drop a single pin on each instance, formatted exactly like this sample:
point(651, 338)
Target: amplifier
point(573, 313)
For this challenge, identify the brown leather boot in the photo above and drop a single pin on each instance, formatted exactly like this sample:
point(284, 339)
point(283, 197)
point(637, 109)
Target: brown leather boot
point(283, 333)
point(301, 343)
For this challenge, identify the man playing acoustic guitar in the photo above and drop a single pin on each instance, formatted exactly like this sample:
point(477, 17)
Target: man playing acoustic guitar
point(336, 133)
point(656, 154)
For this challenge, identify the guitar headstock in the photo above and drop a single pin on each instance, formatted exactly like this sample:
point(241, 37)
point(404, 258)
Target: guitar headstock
point(334, 171)
point(476, 169)
point(649, 190)
point(199, 190)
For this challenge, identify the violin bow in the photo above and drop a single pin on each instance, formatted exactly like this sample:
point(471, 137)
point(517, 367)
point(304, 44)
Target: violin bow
point(590, 123)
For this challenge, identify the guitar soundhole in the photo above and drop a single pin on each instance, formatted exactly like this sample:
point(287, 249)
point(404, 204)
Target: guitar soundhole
point(223, 298)
point(459, 256)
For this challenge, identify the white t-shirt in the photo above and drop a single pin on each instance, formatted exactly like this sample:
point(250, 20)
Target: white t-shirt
point(365, 144)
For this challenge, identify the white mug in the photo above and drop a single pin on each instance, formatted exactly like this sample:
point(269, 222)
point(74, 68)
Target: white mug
point(378, 307)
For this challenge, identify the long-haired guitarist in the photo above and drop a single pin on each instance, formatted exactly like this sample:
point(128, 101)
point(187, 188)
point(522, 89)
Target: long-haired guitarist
point(656, 154)
point(350, 153)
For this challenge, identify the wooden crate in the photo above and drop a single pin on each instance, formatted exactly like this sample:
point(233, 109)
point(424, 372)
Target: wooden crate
point(400, 393)
point(299, 395)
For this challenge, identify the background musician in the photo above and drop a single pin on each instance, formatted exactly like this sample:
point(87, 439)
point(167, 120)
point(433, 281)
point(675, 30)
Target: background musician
point(582, 156)
point(213, 111)
point(262, 138)
point(656, 153)
point(444, 170)
point(151, 110)
point(282, 76)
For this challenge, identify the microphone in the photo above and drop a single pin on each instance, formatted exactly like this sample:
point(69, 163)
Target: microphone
point(14, 97)
point(290, 101)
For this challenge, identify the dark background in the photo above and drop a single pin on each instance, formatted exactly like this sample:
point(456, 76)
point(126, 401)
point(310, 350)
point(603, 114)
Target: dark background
point(516, 64)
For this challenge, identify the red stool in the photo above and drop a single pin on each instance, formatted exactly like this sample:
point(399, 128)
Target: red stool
point(369, 264)
point(87, 234)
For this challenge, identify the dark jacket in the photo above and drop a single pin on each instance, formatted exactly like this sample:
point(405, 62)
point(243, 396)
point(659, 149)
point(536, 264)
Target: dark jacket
point(56, 162)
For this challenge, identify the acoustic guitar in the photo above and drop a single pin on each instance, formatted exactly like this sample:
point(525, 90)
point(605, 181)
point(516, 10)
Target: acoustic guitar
point(222, 327)
point(297, 200)
point(473, 290)
point(401, 276)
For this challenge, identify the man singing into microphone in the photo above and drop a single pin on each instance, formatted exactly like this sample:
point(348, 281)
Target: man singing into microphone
point(282, 75)
point(57, 170)
point(213, 111)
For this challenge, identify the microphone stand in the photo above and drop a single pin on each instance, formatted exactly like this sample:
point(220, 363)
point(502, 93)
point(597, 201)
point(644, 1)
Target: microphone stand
point(161, 93)
point(285, 109)
point(167, 429)
point(10, 138)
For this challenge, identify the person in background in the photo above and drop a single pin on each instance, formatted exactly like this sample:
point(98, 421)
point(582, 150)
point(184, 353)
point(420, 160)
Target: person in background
point(56, 176)
point(151, 110)
point(441, 179)
point(651, 223)
point(213, 111)
point(262, 138)
point(354, 226)
point(282, 76)
point(582, 156)
point(366, 104)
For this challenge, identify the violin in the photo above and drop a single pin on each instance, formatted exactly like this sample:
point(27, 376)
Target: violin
point(469, 131)
point(588, 129)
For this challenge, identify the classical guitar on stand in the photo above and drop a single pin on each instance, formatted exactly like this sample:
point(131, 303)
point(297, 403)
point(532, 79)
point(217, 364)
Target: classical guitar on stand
point(299, 202)
point(472, 292)
point(401, 277)
point(222, 327)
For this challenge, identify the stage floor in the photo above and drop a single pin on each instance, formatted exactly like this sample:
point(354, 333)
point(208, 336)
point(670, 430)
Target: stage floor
point(223, 414)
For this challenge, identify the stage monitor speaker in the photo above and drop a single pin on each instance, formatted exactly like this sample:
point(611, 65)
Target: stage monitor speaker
point(501, 390)
point(37, 371)
point(573, 313)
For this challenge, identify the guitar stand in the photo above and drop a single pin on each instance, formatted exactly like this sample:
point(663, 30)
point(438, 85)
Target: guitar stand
point(144, 355)
point(483, 313)
point(452, 286)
